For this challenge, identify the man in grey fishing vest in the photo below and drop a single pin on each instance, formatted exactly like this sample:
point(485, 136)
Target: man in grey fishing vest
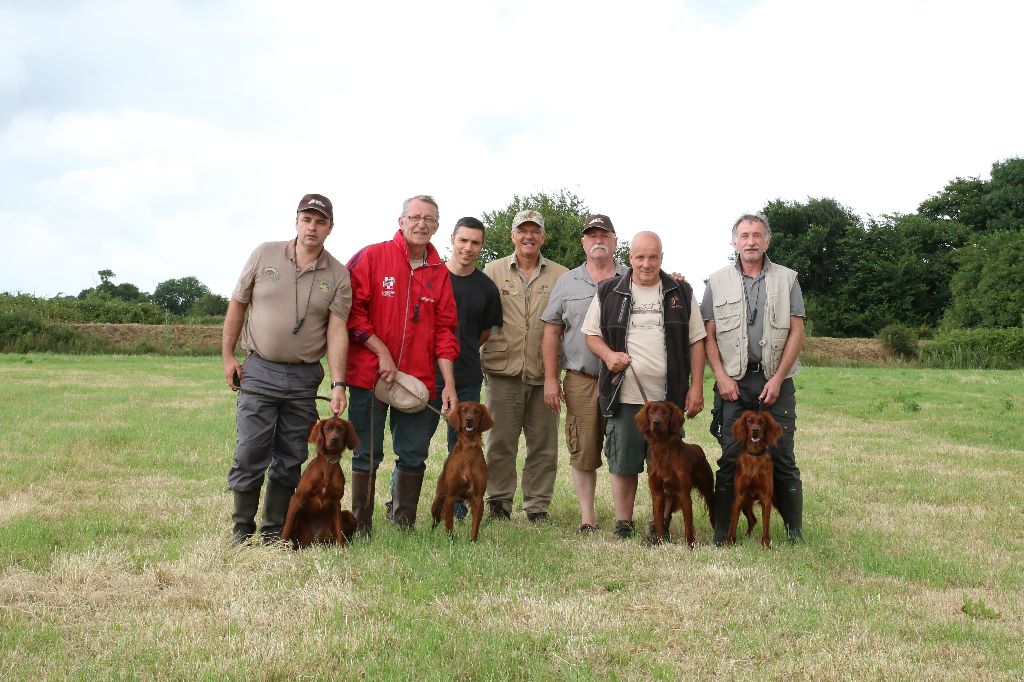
point(754, 314)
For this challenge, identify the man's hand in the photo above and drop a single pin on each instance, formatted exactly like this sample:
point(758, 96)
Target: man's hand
point(387, 369)
point(678, 277)
point(727, 387)
point(617, 362)
point(449, 398)
point(338, 400)
point(553, 396)
point(233, 373)
point(770, 392)
point(694, 400)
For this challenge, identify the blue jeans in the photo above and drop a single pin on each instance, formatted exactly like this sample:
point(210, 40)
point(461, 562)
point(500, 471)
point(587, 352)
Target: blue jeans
point(410, 433)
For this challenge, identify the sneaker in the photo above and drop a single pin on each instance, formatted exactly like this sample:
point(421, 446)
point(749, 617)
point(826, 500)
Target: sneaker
point(623, 529)
point(537, 517)
point(497, 511)
point(587, 528)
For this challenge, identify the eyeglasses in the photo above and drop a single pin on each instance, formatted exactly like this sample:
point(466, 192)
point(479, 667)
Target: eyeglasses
point(429, 220)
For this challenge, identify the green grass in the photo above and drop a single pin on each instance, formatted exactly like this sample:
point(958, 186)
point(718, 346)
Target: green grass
point(114, 556)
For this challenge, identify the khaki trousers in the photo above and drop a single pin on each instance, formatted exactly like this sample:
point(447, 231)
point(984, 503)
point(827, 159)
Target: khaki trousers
point(517, 407)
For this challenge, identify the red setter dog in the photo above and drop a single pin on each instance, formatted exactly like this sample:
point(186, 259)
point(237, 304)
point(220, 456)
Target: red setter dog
point(464, 476)
point(315, 513)
point(757, 431)
point(675, 468)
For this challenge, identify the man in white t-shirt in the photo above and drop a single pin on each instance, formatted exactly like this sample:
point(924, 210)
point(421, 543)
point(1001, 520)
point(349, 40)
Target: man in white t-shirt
point(646, 327)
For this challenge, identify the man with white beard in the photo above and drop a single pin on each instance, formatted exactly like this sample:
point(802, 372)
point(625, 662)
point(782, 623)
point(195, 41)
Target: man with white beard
point(584, 423)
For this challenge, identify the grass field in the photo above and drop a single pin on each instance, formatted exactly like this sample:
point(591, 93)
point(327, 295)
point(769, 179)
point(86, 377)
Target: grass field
point(114, 556)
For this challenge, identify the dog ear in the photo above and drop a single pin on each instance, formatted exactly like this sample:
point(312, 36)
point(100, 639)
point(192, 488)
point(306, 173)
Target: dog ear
point(643, 422)
point(676, 423)
point(314, 431)
point(454, 418)
point(351, 437)
point(773, 428)
point(739, 428)
point(486, 422)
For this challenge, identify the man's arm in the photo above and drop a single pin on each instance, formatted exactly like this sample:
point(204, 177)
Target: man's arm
point(615, 362)
point(337, 359)
point(727, 386)
point(387, 368)
point(553, 396)
point(229, 340)
point(449, 394)
point(790, 352)
point(695, 395)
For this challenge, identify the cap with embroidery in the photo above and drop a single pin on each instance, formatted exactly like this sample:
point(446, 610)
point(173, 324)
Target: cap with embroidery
point(528, 216)
point(318, 203)
point(597, 221)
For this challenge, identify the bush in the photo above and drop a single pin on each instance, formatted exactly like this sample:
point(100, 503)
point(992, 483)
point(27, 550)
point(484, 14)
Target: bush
point(976, 349)
point(899, 339)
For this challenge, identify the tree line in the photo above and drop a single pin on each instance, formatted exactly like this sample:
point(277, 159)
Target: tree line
point(957, 262)
point(181, 296)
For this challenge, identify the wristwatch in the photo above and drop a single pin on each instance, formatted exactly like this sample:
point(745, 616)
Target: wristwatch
point(335, 384)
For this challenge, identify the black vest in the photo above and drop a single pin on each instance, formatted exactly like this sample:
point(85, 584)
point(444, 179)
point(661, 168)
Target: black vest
point(616, 304)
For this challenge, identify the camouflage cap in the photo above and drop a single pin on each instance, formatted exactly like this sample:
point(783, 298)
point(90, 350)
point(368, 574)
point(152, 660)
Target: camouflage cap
point(528, 216)
point(318, 203)
point(597, 221)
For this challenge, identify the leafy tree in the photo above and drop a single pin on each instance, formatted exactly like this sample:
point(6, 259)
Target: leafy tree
point(209, 304)
point(988, 288)
point(564, 214)
point(983, 205)
point(106, 289)
point(1004, 196)
point(178, 295)
point(808, 238)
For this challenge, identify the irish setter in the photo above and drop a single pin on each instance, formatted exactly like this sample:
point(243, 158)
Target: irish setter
point(464, 476)
point(675, 468)
point(315, 513)
point(757, 431)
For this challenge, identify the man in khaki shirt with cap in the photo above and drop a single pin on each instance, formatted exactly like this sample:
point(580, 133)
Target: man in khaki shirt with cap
point(298, 297)
point(511, 360)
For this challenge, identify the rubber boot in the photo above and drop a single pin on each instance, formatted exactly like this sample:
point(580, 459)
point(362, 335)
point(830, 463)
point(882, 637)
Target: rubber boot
point(363, 484)
point(790, 499)
point(244, 516)
point(407, 498)
point(275, 510)
point(723, 509)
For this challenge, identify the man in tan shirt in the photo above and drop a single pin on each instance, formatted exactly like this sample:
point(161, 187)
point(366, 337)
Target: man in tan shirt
point(298, 297)
point(512, 363)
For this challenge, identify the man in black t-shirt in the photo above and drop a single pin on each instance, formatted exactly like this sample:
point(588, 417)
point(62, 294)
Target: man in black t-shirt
point(479, 309)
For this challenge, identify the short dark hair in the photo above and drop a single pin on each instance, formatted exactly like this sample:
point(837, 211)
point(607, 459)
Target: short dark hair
point(470, 222)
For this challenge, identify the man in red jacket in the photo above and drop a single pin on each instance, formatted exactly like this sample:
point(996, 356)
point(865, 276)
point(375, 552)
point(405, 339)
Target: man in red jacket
point(403, 318)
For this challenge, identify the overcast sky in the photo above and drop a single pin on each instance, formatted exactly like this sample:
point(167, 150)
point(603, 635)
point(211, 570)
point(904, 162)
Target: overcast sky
point(165, 139)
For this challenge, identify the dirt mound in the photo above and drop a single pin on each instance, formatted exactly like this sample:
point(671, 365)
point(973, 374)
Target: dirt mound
point(824, 350)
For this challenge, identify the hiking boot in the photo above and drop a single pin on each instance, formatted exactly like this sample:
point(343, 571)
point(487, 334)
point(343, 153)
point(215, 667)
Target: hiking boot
point(496, 510)
point(537, 517)
point(460, 510)
point(587, 528)
point(624, 529)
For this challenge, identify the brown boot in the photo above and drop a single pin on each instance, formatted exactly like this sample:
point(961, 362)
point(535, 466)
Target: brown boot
point(363, 483)
point(407, 498)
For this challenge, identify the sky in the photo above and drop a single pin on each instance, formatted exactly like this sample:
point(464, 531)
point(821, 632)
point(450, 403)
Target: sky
point(164, 139)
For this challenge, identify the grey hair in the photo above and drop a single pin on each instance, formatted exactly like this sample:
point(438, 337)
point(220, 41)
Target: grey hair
point(752, 217)
point(421, 197)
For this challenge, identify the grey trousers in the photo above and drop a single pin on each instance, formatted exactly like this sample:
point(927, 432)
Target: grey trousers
point(273, 434)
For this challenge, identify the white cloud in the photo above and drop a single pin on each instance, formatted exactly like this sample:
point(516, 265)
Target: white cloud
point(167, 139)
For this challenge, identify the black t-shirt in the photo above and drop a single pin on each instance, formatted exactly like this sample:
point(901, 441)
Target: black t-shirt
point(479, 308)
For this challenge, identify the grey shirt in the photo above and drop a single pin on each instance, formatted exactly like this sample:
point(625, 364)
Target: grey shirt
point(757, 295)
point(568, 305)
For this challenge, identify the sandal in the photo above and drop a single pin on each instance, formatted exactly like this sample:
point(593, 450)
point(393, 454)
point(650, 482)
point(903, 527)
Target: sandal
point(587, 529)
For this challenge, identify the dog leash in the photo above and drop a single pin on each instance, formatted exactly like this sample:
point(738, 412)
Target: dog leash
point(643, 393)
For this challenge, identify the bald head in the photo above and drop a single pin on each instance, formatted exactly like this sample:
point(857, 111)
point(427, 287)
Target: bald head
point(645, 256)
